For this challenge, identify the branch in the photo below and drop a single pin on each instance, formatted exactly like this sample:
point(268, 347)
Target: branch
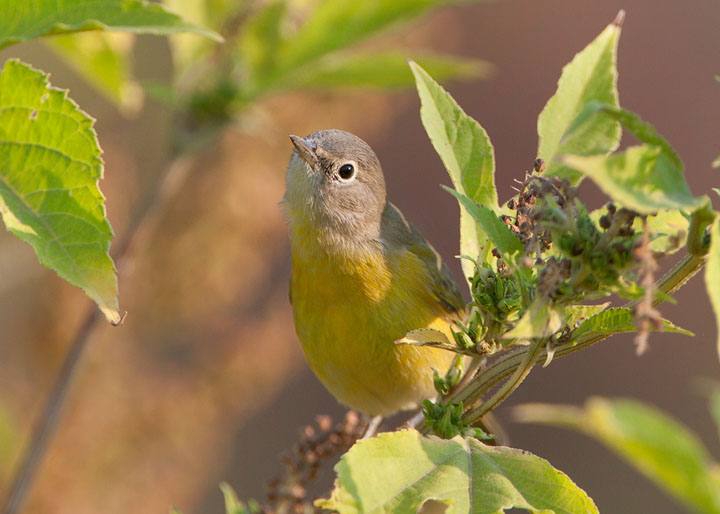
point(47, 424)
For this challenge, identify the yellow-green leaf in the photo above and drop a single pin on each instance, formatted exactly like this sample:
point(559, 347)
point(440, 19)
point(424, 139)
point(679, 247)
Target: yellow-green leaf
point(656, 445)
point(712, 275)
point(504, 239)
point(398, 472)
point(383, 70)
point(619, 319)
point(103, 59)
point(590, 76)
point(29, 19)
point(336, 24)
point(50, 166)
point(469, 157)
point(644, 178)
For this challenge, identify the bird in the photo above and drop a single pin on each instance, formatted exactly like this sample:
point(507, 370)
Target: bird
point(362, 277)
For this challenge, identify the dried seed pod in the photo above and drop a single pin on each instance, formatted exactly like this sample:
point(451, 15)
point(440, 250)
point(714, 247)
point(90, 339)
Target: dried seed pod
point(626, 231)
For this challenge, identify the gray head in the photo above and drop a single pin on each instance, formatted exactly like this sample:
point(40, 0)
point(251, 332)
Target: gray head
point(334, 187)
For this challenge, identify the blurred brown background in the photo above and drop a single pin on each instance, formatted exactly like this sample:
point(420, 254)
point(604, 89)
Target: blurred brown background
point(205, 381)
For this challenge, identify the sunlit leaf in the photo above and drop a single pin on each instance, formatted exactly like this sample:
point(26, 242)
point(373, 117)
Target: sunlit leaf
point(384, 70)
point(466, 151)
point(715, 406)
point(337, 24)
point(506, 242)
point(590, 76)
point(186, 47)
point(655, 444)
point(261, 38)
point(49, 170)
point(433, 338)
point(235, 506)
point(641, 129)
point(643, 178)
point(103, 59)
point(668, 228)
point(422, 336)
point(540, 320)
point(712, 275)
point(9, 441)
point(618, 319)
point(579, 313)
point(398, 472)
point(30, 19)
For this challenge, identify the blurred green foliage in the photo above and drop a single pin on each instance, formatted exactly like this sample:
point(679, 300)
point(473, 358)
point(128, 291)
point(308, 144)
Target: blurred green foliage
point(655, 444)
point(284, 45)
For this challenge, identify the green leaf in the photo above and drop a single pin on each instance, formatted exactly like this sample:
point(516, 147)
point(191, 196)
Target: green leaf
point(425, 336)
point(642, 130)
point(398, 472)
point(506, 242)
point(261, 38)
point(668, 171)
point(235, 506)
point(383, 70)
point(49, 170)
point(103, 59)
point(667, 228)
point(590, 76)
point(716, 162)
point(540, 320)
point(579, 313)
point(336, 24)
point(712, 275)
point(643, 178)
point(435, 339)
point(715, 406)
point(9, 441)
point(187, 49)
point(656, 445)
point(618, 319)
point(466, 151)
point(30, 19)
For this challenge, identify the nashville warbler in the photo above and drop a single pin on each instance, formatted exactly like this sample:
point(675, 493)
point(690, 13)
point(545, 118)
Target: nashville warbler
point(362, 277)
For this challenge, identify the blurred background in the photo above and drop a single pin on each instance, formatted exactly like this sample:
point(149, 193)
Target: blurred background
point(205, 382)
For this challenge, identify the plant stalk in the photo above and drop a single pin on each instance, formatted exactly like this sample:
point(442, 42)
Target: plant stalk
point(48, 422)
point(518, 362)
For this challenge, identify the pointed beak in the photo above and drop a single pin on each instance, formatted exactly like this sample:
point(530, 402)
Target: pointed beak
point(306, 149)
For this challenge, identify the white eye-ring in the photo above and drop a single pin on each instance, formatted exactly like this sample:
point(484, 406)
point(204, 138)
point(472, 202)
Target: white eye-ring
point(346, 172)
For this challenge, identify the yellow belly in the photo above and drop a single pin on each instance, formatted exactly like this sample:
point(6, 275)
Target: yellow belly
point(347, 317)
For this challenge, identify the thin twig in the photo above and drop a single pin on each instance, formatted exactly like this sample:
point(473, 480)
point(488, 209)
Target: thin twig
point(48, 421)
point(46, 426)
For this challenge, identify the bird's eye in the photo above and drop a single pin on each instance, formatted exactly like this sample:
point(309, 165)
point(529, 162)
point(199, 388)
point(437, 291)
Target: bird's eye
point(346, 171)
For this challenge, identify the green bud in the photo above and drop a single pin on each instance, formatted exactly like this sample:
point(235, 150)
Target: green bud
point(441, 385)
point(567, 243)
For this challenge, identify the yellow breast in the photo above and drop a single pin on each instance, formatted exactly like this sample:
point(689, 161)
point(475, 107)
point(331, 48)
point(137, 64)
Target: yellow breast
point(348, 313)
